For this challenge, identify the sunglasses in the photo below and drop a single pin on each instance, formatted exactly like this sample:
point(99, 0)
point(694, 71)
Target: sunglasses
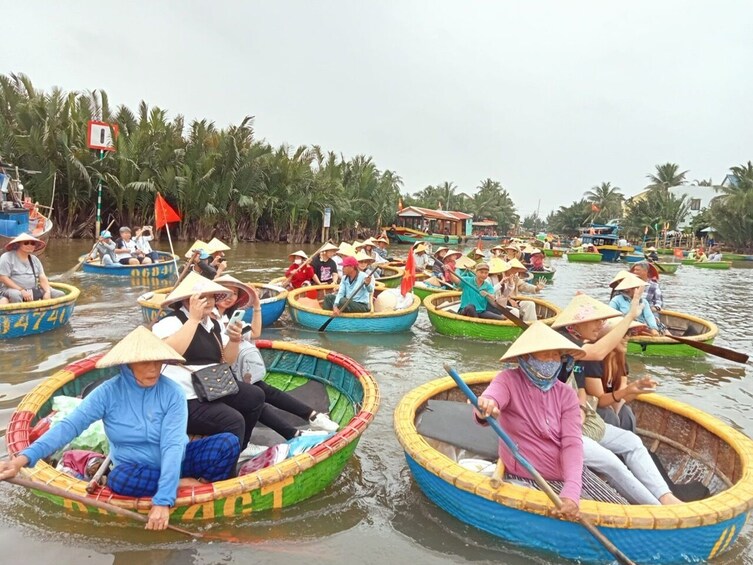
point(28, 243)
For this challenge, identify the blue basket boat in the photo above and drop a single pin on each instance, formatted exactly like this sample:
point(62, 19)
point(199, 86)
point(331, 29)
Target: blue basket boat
point(273, 299)
point(164, 269)
point(37, 316)
point(306, 313)
point(690, 443)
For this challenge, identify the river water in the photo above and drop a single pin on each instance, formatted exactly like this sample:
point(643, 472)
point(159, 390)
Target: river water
point(373, 513)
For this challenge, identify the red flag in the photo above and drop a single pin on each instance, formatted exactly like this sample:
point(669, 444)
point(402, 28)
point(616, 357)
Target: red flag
point(594, 208)
point(164, 213)
point(400, 204)
point(406, 285)
point(479, 244)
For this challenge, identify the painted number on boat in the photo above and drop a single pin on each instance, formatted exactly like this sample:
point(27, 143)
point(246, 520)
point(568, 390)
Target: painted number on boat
point(150, 272)
point(31, 322)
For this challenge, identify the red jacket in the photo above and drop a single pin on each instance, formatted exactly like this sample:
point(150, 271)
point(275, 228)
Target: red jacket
point(306, 274)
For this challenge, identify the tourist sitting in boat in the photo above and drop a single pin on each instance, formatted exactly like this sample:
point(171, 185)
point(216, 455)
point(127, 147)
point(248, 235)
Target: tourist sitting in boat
point(497, 251)
point(142, 238)
point(539, 413)
point(504, 285)
point(437, 268)
point(537, 260)
point(355, 286)
point(522, 287)
point(105, 249)
point(648, 274)
point(203, 266)
point(324, 266)
point(369, 247)
point(475, 255)
point(512, 251)
point(22, 277)
point(421, 259)
point(145, 418)
point(191, 331)
point(627, 288)
point(637, 479)
point(250, 368)
point(381, 247)
point(298, 273)
point(700, 256)
point(652, 255)
point(127, 251)
point(715, 255)
point(477, 293)
point(344, 250)
point(365, 262)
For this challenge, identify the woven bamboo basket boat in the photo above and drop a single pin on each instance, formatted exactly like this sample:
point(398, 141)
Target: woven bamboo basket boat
point(553, 252)
point(734, 257)
point(422, 291)
point(273, 299)
point(391, 276)
point(38, 316)
point(667, 268)
point(547, 276)
point(716, 265)
point(354, 399)
point(583, 257)
point(680, 324)
point(442, 308)
point(164, 269)
point(691, 444)
point(309, 316)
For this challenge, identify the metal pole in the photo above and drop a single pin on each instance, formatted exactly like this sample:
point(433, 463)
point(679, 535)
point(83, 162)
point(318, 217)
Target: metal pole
point(99, 199)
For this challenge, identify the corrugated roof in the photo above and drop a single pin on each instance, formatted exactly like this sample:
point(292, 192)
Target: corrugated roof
point(449, 215)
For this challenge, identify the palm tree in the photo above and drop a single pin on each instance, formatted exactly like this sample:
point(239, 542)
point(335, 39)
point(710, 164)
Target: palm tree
point(666, 176)
point(732, 211)
point(606, 201)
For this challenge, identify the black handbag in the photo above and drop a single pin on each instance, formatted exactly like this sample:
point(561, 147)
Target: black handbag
point(215, 381)
point(37, 293)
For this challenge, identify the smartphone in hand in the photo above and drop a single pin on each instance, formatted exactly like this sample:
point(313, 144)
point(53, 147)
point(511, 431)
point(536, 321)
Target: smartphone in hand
point(237, 317)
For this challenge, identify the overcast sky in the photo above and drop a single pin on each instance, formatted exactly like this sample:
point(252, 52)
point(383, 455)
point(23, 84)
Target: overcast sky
point(550, 97)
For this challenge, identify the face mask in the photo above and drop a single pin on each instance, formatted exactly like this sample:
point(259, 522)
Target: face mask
point(541, 373)
point(297, 261)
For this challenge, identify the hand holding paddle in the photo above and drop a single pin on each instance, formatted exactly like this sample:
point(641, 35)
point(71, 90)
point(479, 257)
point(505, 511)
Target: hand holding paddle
point(86, 257)
point(565, 507)
point(345, 304)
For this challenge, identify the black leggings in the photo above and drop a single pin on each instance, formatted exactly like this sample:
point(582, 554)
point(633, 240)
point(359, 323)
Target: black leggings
point(471, 312)
point(236, 414)
point(284, 401)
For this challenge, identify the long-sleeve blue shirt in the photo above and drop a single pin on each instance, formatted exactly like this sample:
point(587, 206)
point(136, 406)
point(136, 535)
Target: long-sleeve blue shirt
point(622, 303)
point(144, 425)
point(347, 286)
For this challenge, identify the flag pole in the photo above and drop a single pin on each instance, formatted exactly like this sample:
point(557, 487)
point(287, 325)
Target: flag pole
point(172, 251)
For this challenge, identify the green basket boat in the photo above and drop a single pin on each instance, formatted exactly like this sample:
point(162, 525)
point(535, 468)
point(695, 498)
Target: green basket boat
point(716, 265)
point(353, 401)
point(553, 252)
point(546, 276)
point(583, 257)
point(734, 257)
point(679, 324)
point(443, 316)
point(391, 276)
point(667, 268)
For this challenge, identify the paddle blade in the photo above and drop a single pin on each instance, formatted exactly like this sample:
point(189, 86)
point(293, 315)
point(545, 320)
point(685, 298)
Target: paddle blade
point(325, 324)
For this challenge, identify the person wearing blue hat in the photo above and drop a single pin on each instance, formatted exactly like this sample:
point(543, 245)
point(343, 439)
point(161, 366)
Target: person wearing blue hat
point(105, 249)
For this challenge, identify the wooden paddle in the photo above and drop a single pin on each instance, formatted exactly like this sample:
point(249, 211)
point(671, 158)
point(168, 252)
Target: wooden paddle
point(69, 272)
point(540, 481)
point(93, 502)
point(302, 265)
point(710, 348)
point(352, 294)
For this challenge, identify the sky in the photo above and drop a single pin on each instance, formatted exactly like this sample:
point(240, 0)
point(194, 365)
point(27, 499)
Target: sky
point(548, 97)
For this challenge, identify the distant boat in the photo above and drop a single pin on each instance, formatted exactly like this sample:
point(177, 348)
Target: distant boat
point(18, 214)
point(605, 237)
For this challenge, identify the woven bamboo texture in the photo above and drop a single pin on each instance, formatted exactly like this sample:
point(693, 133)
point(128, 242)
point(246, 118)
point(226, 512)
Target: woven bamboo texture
point(38, 316)
point(354, 400)
point(165, 269)
point(450, 323)
point(677, 322)
point(367, 322)
point(691, 442)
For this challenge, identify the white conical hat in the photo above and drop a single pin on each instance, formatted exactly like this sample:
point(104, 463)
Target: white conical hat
point(497, 266)
point(244, 291)
point(138, 346)
point(583, 308)
point(540, 337)
point(216, 245)
point(38, 243)
point(194, 283)
point(618, 277)
point(630, 281)
point(328, 247)
point(346, 249)
point(516, 264)
point(464, 262)
point(300, 253)
point(198, 245)
point(363, 256)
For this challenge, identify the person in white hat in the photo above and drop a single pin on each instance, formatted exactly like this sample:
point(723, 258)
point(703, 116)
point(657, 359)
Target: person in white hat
point(539, 413)
point(22, 277)
point(437, 267)
point(381, 247)
point(324, 265)
point(299, 272)
point(145, 418)
point(127, 251)
point(477, 296)
point(629, 287)
point(652, 255)
point(421, 259)
point(648, 274)
point(192, 332)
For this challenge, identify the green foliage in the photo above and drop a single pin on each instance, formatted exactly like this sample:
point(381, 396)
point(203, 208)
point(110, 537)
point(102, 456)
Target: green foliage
point(608, 199)
point(732, 211)
point(657, 209)
point(568, 220)
point(667, 176)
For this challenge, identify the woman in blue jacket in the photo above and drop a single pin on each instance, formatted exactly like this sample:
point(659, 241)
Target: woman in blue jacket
point(621, 301)
point(145, 417)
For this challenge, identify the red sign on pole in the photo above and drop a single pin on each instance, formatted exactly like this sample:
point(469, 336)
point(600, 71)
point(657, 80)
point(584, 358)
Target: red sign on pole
point(101, 135)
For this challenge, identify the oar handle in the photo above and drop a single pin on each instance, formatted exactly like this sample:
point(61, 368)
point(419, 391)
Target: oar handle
point(504, 309)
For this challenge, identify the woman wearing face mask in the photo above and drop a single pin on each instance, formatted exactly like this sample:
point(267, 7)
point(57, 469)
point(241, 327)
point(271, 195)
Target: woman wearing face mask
point(298, 273)
point(539, 413)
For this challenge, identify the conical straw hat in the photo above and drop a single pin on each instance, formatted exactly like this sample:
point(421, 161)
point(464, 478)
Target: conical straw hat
point(618, 277)
point(497, 266)
point(357, 244)
point(511, 246)
point(369, 241)
point(453, 252)
point(362, 256)
point(478, 252)
point(13, 244)
point(630, 281)
point(139, 345)
point(197, 246)
point(464, 262)
point(300, 253)
point(194, 283)
point(346, 249)
point(583, 308)
point(216, 245)
point(540, 337)
point(440, 249)
point(516, 264)
point(612, 322)
point(328, 247)
point(419, 248)
point(382, 239)
point(244, 291)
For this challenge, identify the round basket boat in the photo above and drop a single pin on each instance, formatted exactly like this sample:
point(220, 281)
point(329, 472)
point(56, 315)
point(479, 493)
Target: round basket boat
point(305, 313)
point(353, 401)
point(442, 308)
point(679, 324)
point(272, 297)
point(547, 276)
point(391, 276)
point(716, 265)
point(667, 268)
point(38, 316)
point(583, 257)
point(689, 443)
point(163, 269)
point(553, 252)
point(422, 291)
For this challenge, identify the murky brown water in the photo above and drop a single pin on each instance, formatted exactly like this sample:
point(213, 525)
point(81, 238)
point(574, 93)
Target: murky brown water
point(373, 513)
